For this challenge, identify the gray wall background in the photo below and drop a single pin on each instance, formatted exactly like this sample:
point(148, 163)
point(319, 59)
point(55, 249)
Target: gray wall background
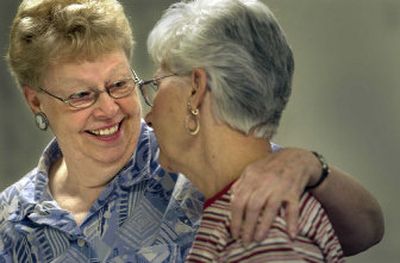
point(344, 103)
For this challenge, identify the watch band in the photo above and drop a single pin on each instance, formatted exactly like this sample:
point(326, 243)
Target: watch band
point(324, 173)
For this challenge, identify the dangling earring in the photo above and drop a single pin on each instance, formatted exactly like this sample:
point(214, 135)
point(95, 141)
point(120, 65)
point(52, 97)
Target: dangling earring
point(41, 121)
point(192, 121)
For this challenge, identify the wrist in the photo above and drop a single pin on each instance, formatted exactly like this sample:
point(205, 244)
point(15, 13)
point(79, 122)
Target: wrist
point(323, 173)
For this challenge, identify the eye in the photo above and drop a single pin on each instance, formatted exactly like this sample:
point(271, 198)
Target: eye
point(82, 95)
point(119, 84)
point(121, 88)
point(82, 98)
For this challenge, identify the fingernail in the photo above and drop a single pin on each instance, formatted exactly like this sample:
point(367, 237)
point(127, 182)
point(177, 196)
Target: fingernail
point(293, 234)
point(246, 240)
point(235, 235)
point(259, 237)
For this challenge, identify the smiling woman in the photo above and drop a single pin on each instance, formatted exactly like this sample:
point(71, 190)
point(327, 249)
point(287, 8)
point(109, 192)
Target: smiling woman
point(84, 133)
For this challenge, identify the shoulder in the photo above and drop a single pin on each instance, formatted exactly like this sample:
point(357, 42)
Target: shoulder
point(186, 202)
point(15, 201)
point(313, 217)
point(16, 196)
point(316, 240)
point(314, 225)
point(215, 243)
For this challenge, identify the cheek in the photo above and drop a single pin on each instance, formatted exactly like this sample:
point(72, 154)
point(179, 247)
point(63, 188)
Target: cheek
point(132, 105)
point(63, 121)
point(171, 116)
point(69, 122)
point(172, 128)
point(168, 113)
point(134, 102)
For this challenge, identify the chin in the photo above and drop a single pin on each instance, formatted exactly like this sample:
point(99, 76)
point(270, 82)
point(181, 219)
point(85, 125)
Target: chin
point(114, 158)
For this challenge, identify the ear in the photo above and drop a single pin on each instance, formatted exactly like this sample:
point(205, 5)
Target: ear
point(199, 87)
point(31, 97)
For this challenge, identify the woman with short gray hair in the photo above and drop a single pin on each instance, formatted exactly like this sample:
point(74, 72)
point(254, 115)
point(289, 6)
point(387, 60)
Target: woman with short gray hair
point(224, 77)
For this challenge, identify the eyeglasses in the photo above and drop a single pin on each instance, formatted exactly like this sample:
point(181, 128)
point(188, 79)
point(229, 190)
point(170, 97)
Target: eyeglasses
point(149, 88)
point(84, 99)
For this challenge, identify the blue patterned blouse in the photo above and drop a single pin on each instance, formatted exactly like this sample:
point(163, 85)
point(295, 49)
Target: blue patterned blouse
point(144, 215)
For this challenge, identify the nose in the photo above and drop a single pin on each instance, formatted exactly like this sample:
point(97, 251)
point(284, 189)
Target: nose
point(106, 106)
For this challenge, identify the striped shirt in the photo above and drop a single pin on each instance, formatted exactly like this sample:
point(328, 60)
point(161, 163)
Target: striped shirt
point(315, 242)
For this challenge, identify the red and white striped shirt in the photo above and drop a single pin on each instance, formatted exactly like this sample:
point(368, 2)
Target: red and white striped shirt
point(315, 242)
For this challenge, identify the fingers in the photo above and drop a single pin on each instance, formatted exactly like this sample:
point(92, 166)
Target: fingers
point(264, 187)
point(266, 219)
point(253, 212)
point(292, 217)
point(259, 219)
point(253, 215)
point(238, 206)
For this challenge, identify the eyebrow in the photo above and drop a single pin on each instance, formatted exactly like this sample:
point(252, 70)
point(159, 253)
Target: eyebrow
point(80, 84)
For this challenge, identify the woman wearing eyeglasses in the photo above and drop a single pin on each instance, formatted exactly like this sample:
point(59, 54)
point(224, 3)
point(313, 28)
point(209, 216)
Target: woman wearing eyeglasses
point(223, 80)
point(98, 193)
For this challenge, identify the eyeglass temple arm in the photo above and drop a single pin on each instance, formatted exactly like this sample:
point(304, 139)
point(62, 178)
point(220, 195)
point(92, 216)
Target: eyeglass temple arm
point(54, 96)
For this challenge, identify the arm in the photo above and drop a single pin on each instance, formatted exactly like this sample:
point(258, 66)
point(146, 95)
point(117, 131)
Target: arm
point(348, 203)
point(289, 171)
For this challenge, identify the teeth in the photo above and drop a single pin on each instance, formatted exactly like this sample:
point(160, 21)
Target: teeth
point(106, 132)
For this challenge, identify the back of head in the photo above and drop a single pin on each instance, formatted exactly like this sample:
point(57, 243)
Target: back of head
point(46, 32)
point(244, 52)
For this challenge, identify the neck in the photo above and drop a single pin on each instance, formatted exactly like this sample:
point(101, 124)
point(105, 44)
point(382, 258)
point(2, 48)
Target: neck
point(82, 178)
point(74, 193)
point(225, 154)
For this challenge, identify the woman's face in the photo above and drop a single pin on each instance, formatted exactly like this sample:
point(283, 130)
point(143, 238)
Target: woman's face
point(105, 132)
point(167, 117)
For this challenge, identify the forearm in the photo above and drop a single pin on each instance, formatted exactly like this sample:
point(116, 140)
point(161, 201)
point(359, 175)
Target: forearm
point(355, 214)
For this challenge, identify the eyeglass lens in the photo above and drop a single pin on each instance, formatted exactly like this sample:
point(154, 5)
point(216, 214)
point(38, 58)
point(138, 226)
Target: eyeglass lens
point(117, 90)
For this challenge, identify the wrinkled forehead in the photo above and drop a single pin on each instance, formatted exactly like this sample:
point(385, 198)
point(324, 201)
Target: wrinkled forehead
point(108, 65)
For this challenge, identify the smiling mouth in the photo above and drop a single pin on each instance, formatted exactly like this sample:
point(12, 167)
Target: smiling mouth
point(106, 132)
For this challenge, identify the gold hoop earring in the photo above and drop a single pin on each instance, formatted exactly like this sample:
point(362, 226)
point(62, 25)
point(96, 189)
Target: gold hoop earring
point(192, 121)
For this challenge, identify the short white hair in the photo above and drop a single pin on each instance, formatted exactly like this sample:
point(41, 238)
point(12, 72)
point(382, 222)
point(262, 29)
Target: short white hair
point(242, 48)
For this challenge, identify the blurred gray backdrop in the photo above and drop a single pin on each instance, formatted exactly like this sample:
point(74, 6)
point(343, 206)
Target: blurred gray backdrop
point(345, 101)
